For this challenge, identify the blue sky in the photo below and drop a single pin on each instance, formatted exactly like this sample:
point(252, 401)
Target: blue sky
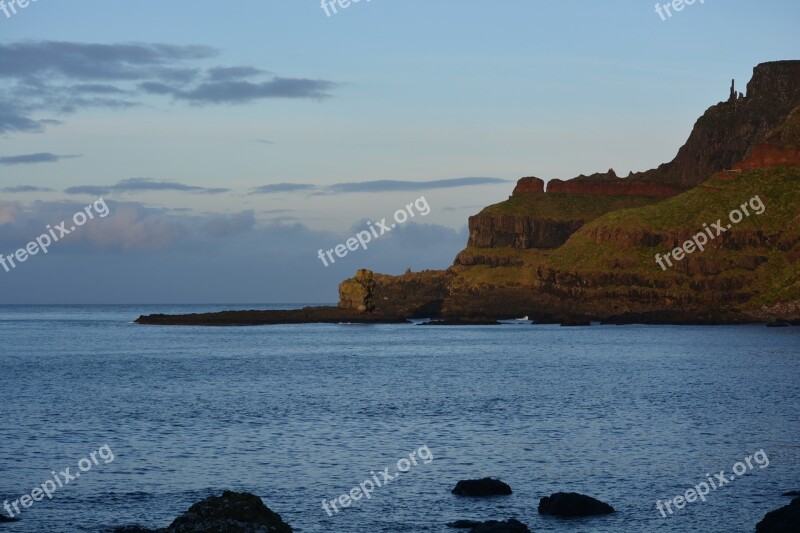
point(190, 119)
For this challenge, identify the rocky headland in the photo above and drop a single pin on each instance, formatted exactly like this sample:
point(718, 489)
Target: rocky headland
point(583, 249)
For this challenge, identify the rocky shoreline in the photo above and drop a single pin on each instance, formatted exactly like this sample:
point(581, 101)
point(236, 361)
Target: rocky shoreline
point(334, 315)
point(235, 512)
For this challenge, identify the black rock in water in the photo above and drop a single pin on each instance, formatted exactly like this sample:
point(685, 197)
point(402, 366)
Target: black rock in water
point(783, 520)
point(481, 487)
point(572, 504)
point(233, 512)
point(492, 526)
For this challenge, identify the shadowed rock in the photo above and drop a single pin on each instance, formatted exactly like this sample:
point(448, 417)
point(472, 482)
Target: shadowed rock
point(481, 488)
point(572, 504)
point(233, 512)
point(492, 526)
point(783, 520)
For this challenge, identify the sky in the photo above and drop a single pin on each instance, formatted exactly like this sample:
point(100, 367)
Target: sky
point(232, 141)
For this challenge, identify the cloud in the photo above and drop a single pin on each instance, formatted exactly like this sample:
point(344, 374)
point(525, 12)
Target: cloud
point(283, 187)
point(375, 186)
point(24, 188)
point(14, 121)
point(128, 227)
point(91, 190)
point(229, 225)
point(107, 62)
point(134, 185)
point(32, 159)
point(393, 185)
point(242, 92)
point(68, 76)
point(174, 257)
point(232, 73)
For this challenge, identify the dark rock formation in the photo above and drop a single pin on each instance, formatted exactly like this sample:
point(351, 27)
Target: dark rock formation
point(358, 294)
point(529, 185)
point(791, 493)
point(232, 512)
point(492, 526)
point(783, 520)
point(572, 504)
point(322, 315)
point(487, 231)
point(412, 295)
point(6, 519)
point(609, 184)
point(481, 488)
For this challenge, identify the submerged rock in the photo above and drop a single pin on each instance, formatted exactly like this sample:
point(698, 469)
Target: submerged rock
point(783, 520)
point(481, 487)
point(572, 504)
point(492, 526)
point(233, 512)
point(4, 518)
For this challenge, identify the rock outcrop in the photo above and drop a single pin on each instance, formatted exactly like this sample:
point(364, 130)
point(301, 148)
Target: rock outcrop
point(490, 231)
point(233, 512)
point(783, 520)
point(571, 257)
point(492, 526)
point(608, 184)
point(569, 504)
point(529, 185)
point(481, 487)
point(588, 249)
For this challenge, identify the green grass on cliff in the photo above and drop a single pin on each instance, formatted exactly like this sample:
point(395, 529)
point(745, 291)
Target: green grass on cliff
point(778, 279)
point(778, 189)
point(564, 207)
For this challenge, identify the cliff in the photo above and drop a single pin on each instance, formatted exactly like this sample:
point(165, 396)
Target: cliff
point(586, 249)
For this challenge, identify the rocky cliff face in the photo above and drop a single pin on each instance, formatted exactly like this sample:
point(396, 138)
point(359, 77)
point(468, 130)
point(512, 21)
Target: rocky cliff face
point(490, 231)
point(585, 249)
point(529, 185)
point(608, 184)
point(729, 131)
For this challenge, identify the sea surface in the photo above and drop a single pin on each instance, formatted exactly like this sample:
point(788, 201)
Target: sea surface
point(298, 414)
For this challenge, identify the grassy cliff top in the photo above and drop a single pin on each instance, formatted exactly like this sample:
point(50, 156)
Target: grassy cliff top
point(778, 189)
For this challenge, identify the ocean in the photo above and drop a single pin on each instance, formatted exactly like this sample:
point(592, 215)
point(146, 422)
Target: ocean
point(298, 414)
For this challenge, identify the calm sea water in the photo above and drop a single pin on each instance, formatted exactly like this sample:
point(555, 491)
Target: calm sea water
point(302, 413)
